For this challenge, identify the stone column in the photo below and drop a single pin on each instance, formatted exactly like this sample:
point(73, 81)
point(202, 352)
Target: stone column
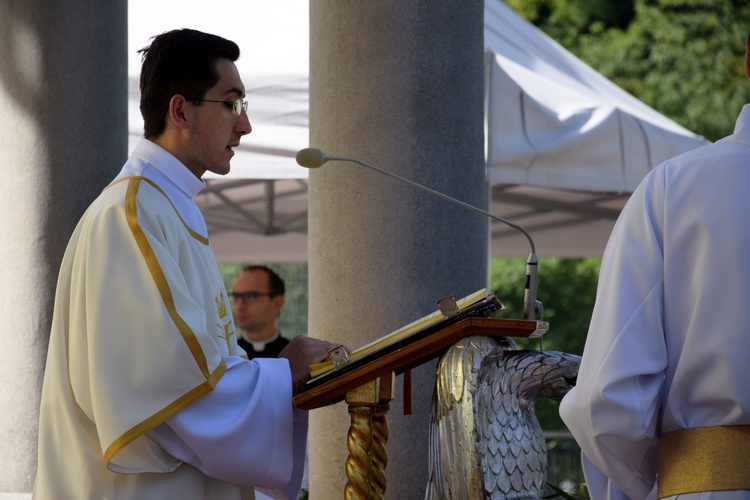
point(399, 84)
point(63, 136)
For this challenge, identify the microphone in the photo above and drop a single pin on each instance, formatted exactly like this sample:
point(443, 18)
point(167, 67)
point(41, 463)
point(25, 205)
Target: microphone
point(311, 158)
point(315, 158)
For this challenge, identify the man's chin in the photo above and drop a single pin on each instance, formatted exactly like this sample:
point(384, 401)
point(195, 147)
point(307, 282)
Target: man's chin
point(221, 170)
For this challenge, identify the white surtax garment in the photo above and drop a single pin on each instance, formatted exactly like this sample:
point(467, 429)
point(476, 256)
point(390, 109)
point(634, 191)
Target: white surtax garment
point(668, 348)
point(146, 393)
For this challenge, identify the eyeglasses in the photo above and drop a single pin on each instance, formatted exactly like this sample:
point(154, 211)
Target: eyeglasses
point(248, 297)
point(237, 106)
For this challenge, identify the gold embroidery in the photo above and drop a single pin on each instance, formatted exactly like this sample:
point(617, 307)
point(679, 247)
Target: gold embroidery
point(225, 334)
point(221, 308)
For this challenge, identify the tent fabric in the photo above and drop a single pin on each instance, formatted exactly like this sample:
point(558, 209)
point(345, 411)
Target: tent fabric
point(564, 146)
point(552, 121)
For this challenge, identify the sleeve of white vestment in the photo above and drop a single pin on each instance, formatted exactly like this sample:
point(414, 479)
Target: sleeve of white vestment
point(239, 432)
point(613, 410)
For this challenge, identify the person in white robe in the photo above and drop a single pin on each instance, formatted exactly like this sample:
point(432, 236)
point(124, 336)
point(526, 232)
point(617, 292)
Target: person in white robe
point(146, 393)
point(661, 407)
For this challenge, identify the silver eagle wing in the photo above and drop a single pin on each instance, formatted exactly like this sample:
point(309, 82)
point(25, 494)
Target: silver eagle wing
point(511, 444)
point(454, 470)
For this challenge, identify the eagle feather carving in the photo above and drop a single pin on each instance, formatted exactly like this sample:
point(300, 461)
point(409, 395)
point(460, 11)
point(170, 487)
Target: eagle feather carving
point(485, 439)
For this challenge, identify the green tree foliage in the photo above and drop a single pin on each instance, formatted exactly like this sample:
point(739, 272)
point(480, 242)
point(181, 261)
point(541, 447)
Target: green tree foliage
point(566, 19)
point(683, 58)
point(567, 289)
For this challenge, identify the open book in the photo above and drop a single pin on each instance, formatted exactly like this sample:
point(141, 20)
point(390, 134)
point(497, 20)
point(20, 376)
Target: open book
point(402, 333)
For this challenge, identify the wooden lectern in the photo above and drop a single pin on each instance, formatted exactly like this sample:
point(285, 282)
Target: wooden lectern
point(368, 387)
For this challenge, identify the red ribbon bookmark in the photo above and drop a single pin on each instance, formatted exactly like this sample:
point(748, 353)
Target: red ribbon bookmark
point(407, 392)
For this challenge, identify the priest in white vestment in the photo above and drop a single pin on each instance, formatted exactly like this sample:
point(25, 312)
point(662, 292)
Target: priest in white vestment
point(661, 407)
point(146, 393)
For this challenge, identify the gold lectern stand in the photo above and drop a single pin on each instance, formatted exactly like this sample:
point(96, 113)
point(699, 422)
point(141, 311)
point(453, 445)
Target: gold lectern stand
point(368, 388)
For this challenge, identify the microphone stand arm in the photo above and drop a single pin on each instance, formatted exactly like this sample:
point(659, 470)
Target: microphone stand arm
point(531, 304)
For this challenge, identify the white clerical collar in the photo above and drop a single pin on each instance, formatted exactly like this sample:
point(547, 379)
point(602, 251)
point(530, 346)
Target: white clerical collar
point(170, 167)
point(260, 345)
point(181, 186)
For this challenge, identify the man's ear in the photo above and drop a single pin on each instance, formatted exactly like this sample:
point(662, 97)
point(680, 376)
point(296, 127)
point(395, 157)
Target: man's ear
point(747, 57)
point(278, 303)
point(178, 113)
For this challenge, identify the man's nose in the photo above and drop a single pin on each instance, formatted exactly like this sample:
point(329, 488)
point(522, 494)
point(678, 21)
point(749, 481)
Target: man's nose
point(243, 124)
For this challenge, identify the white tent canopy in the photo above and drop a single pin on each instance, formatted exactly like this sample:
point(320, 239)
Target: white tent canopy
point(553, 121)
point(564, 145)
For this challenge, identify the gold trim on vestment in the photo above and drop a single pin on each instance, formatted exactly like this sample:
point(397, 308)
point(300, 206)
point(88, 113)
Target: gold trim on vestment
point(162, 416)
point(195, 235)
point(131, 213)
point(704, 459)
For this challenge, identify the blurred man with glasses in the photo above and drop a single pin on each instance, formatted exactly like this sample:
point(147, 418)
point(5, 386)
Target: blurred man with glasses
point(146, 393)
point(257, 300)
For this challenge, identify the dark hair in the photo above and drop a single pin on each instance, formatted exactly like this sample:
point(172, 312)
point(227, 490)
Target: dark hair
point(276, 284)
point(179, 62)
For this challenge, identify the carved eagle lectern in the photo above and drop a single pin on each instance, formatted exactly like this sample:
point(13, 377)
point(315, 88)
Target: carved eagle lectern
point(485, 440)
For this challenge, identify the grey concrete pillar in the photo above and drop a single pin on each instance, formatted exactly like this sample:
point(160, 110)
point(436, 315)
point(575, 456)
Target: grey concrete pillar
point(63, 136)
point(398, 84)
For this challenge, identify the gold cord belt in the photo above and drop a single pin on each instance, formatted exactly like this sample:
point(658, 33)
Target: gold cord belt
point(704, 459)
